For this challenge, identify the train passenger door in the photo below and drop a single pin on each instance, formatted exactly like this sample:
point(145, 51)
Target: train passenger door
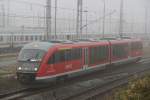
point(86, 58)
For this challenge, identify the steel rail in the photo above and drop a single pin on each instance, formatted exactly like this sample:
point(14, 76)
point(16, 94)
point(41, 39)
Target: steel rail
point(31, 91)
point(101, 89)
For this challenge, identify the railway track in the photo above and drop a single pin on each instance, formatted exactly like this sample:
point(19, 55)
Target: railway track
point(8, 55)
point(93, 93)
point(145, 60)
point(113, 80)
point(7, 95)
point(36, 90)
point(21, 93)
point(31, 91)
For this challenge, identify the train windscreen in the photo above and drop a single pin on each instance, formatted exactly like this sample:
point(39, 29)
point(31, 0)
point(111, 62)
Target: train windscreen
point(31, 55)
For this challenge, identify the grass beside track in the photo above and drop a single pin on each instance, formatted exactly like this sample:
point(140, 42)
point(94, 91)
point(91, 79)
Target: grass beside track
point(139, 89)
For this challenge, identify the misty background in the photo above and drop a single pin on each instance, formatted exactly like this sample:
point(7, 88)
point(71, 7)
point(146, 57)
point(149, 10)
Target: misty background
point(30, 14)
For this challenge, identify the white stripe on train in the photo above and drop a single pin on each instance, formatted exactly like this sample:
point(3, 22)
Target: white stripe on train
point(89, 69)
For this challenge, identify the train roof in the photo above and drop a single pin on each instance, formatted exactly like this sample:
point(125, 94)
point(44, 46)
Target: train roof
point(45, 45)
point(81, 44)
point(38, 45)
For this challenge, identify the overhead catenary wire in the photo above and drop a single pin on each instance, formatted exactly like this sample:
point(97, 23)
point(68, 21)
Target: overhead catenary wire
point(53, 18)
point(36, 17)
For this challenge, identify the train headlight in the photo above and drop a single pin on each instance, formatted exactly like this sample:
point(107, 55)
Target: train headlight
point(35, 69)
point(19, 68)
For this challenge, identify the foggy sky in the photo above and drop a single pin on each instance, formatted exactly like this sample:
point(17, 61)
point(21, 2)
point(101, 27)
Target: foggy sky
point(134, 12)
point(130, 6)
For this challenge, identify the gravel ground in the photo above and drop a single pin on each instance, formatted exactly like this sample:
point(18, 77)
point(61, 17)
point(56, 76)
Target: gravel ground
point(7, 74)
point(8, 84)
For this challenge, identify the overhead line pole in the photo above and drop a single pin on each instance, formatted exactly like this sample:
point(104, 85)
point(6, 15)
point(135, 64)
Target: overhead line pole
point(121, 18)
point(79, 17)
point(104, 11)
point(77, 22)
point(81, 12)
point(86, 22)
point(48, 19)
point(8, 2)
point(55, 19)
point(3, 15)
point(146, 19)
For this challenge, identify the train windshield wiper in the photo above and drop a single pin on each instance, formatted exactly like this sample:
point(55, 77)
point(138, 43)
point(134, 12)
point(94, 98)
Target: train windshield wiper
point(33, 59)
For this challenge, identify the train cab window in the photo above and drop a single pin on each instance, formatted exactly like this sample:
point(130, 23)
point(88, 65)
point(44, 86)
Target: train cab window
point(29, 54)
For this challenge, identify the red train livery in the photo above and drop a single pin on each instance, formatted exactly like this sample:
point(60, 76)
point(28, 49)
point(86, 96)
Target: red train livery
point(47, 60)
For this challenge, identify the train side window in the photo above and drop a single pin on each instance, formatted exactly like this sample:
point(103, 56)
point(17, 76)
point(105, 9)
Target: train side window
point(120, 50)
point(67, 55)
point(62, 56)
point(80, 53)
point(51, 59)
point(73, 54)
point(54, 58)
point(98, 53)
point(76, 54)
point(92, 55)
point(57, 57)
point(102, 53)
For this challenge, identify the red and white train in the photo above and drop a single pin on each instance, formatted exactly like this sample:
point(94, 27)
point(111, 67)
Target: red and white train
point(48, 60)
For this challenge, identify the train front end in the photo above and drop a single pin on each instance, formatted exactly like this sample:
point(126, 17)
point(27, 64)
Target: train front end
point(30, 59)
